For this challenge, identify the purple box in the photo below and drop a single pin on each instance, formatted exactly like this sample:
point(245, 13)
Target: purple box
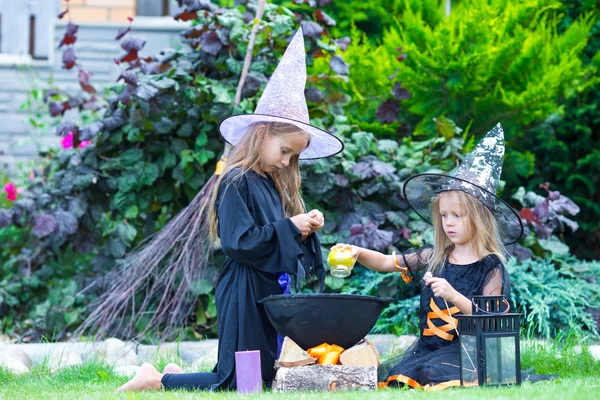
point(248, 373)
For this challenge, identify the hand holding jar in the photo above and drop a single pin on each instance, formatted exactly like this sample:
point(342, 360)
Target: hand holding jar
point(341, 259)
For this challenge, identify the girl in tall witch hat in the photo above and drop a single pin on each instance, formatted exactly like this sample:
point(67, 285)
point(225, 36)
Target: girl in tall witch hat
point(471, 227)
point(258, 216)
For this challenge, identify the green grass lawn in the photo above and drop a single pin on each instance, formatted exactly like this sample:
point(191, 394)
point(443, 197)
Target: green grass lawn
point(587, 388)
point(580, 379)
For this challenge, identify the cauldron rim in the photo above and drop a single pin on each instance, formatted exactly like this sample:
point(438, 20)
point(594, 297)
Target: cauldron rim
point(326, 295)
point(292, 315)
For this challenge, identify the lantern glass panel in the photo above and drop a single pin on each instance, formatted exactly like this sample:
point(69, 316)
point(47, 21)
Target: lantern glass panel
point(500, 360)
point(468, 355)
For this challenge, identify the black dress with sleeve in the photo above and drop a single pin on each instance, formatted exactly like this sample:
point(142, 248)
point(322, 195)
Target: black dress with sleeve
point(432, 361)
point(260, 244)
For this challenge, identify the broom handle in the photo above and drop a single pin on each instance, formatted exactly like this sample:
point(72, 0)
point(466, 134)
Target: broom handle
point(247, 61)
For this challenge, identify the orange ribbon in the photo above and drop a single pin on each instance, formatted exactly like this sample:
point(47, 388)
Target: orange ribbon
point(402, 379)
point(404, 273)
point(445, 315)
point(326, 353)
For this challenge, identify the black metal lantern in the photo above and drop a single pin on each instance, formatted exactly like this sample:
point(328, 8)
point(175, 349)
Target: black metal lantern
point(489, 344)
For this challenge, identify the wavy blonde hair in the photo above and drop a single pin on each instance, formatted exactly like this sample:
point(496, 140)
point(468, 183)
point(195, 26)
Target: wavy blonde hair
point(245, 156)
point(482, 229)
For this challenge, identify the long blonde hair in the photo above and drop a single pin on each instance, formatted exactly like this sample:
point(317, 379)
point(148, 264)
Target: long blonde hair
point(245, 156)
point(482, 229)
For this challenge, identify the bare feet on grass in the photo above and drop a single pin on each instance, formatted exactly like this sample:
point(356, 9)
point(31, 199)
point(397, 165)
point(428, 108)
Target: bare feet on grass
point(171, 368)
point(147, 378)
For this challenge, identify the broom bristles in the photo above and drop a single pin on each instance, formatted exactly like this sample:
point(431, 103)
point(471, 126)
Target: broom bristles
point(184, 246)
point(164, 267)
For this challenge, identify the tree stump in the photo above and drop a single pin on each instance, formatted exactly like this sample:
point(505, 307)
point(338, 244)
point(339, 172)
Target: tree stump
point(325, 377)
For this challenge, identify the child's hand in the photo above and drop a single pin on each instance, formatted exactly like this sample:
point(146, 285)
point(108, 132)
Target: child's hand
point(441, 288)
point(304, 223)
point(344, 246)
point(318, 215)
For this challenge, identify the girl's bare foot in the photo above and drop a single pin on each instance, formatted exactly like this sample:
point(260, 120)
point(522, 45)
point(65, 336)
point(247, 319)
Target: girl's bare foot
point(171, 368)
point(147, 378)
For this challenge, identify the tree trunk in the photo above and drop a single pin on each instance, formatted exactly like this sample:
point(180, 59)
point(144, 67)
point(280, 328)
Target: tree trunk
point(325, 377)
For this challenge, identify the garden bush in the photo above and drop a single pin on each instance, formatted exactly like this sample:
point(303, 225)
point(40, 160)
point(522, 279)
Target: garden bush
point(567, 143)
point(532, 65)
point(143, 147)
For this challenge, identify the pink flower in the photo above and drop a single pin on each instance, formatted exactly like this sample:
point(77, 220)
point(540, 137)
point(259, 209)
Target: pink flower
point(67, 141)
point(11, 191)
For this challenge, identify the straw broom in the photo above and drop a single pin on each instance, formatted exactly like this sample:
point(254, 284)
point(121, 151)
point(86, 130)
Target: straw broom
point(165, 264)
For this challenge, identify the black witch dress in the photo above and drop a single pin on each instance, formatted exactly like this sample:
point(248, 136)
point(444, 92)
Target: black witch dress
point(260, 245)
point(432, 362)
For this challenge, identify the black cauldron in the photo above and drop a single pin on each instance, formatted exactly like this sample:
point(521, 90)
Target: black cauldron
point(313, 318)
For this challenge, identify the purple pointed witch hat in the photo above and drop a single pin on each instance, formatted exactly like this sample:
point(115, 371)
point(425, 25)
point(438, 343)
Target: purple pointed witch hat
point(283, 101)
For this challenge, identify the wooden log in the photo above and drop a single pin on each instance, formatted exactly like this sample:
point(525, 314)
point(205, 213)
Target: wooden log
point(362, 354)
point(293, 355)
point(325, 377)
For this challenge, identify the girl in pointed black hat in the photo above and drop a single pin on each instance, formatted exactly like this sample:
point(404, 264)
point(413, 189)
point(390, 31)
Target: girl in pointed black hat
point(471, 227)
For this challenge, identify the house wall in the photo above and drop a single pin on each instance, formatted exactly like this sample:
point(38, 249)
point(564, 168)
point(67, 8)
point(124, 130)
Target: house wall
point(96, 50)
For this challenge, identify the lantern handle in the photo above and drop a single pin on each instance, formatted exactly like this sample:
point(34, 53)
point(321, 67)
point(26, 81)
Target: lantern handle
point(476, 307)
